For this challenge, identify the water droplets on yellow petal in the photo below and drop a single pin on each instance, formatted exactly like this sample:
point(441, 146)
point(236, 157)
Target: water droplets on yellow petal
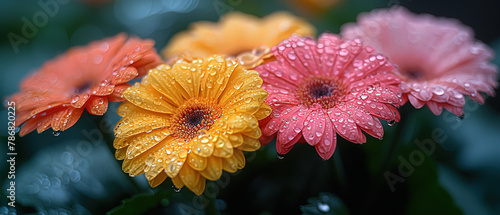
point(223, 148)
point(196, 162)
point(189, 177)
point(249, 144)
point(263, 112)
point(213, 171)
point(140, 121)
point(145, 96)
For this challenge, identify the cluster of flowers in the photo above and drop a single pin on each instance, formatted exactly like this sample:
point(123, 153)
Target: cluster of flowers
point(229, 87)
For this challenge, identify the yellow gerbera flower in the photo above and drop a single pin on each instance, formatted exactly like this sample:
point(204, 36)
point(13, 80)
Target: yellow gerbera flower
point(190, 121)
point(243, 37)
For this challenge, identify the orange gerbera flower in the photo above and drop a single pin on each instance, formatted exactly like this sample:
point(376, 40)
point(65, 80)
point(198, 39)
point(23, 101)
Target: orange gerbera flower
point(82, 78)
point(190, 121)
point(237, 35)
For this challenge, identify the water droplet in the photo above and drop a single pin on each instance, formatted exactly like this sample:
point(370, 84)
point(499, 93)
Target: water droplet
point(56, 133)
point(280, 156)
point(176, 189)
point(460, 118)
point(323, 207)
point(364, 96)
point(391, 123)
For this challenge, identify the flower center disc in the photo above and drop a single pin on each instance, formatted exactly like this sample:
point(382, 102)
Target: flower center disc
point(321, 91)
point(194, 115)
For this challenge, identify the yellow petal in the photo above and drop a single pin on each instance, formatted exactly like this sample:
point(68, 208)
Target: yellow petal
point(137, 166)
point(140, 121)
point(196, 162)
point(119, 143)
point(200, 187)
point(215, 77)
point(202, 148)
point(164, 83)
point(253, 133)
point(177, 182)
point(236, 139)
point(240, 82)
point(240, 158)
point(223, 147)
point(213, 171)
point(145, 96)
point(141, 142)
point(158, 180)
point(189, 177)
point(249, 144)
point(230, 164)
point(120, 153)
point(174, 159)
point(126, 108)
point(263, 112)
point(188, 80)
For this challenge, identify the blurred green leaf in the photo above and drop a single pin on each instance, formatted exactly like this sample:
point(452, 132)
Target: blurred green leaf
point(326, 203)
point(427, 196)
point(141, 203)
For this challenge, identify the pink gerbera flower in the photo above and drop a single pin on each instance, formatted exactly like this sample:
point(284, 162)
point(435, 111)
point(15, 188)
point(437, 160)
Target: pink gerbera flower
point(320, 89)
point(438, 59)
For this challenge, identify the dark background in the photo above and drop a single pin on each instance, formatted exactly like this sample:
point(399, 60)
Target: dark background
point(76, 173)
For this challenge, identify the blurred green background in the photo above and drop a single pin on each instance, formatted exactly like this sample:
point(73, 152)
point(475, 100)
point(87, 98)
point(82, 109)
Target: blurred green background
point(76, 173)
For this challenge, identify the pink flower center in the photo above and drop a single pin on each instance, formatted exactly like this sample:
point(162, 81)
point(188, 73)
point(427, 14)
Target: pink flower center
point(323, 91)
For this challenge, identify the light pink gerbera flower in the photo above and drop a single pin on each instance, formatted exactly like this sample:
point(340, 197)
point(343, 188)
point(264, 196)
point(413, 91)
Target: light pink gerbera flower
point(438, 58)
point(320, 89)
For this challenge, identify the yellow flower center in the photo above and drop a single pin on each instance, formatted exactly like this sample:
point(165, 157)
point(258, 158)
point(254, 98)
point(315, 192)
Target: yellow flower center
point(194, 115)
point(323, 91)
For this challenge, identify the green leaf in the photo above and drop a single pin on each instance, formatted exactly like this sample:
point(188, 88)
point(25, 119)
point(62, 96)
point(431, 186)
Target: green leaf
point(141, 203)
point(427, 196)
point(326, 203)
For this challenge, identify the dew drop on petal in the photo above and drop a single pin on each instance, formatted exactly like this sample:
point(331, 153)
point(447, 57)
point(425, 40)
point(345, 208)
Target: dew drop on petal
point(280, 156)
point(176, 189)
point(323, 207)
point(56, 133)
point(391, 123)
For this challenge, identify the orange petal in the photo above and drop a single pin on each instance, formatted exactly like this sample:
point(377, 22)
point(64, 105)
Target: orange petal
point(117, 95)
point(97, 105)
point(123, 75)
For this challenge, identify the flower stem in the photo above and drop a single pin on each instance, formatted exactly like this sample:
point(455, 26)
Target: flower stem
point(391, 147)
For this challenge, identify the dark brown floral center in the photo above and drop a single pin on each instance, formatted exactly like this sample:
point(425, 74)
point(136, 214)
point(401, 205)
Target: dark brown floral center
point(323, 91)
point(194, 115)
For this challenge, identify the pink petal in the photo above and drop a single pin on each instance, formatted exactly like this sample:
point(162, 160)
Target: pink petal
point(326, 146)
point(314, 126)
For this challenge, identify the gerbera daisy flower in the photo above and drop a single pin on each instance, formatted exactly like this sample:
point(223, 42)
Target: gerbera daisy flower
point(82, 78)
point(438, 59)
point(242, 37)
point(190, 121)
point(320, 89)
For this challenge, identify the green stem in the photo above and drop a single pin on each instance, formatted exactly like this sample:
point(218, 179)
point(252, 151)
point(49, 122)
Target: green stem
point(392, 145)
